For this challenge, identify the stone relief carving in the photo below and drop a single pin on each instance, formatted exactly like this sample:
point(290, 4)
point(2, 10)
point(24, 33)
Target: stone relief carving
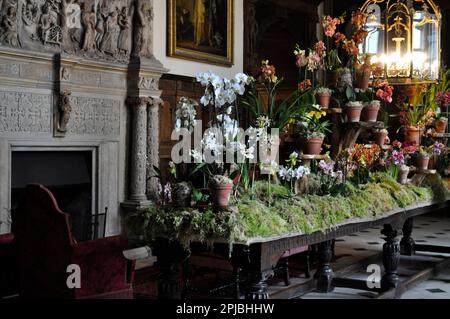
point(9, 27)
point(112, 30)
point(25, 112)
point(144, 17)
point(89, 31)
point(63, 114)
point(65, 74)
point(148, 83)
point(94, 116)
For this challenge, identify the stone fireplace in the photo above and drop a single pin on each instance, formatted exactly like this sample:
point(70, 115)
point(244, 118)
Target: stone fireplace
point(72, 93)
point(70, 174)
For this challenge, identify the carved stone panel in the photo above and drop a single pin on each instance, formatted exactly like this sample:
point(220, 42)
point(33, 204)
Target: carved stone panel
point(25, 112)
point(111, 30)
point(94, 116)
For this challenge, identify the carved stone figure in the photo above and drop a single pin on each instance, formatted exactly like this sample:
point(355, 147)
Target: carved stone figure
point(50, 31)
point(30, 13)
point(111, 37)
point(143, 29)
point(100, 26)
point(89, 31)
point(9, 28)
point(65, 109)
point(125, 33)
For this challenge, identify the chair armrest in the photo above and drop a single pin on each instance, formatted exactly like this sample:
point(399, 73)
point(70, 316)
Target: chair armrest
point(103, 266)
point(101, 245)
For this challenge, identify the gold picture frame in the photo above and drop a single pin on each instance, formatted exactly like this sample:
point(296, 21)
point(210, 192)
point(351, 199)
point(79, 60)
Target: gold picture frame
point(196, 31)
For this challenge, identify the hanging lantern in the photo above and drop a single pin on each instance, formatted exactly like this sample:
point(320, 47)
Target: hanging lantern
point(404, 35)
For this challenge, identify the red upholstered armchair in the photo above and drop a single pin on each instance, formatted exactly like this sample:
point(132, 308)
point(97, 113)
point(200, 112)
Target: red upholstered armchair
point(46, 248)
point(8, 280)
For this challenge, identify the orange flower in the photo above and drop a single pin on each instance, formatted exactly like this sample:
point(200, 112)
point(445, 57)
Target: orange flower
point(339, 38)
point(359, 19)
point(359, 36)
point(304, 85)
point(268, 71)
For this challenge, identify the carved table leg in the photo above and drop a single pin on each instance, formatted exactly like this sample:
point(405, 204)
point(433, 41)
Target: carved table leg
point(171, 256)
point(307, 263)
point(257, 288)
point(391, 257)
point(324, 274)
point(169, 284)
point(287, 279)
point(407, 243)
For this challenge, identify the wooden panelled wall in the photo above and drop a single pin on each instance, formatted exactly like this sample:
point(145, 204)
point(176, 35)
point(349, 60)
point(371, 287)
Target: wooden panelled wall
point(173, 88)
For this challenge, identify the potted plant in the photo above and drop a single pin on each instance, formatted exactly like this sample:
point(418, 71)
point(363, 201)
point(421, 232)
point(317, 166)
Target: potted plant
point(362, 75)
point(220, 187)
point(312, 130)
point(403, 174)
point(380, 136)
point(370, 111)
point(422, 158)
point(441, 125)
point(182, 194)
point(415, 116)
point(353, 111)
point(324, 95)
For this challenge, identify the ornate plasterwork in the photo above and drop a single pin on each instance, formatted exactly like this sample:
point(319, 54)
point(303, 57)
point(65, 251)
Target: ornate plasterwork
point(25, 112)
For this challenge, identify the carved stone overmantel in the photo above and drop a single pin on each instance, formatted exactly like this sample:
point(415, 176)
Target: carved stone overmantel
point(103, 29)
point(82, 77)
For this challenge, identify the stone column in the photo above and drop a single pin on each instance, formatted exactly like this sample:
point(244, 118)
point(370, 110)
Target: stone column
point(138, 160)
point(153, 144)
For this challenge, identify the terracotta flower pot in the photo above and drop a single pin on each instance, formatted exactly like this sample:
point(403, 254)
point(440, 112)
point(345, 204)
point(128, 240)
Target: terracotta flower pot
point(324, 100)
point(370, 112)
point(220, 195)
point(380, 137)
point(362, 80)
point(421, 162)
point(441, 126)
point(403, 176)
point(312, 146)
point(413, 135)
point(353, 113)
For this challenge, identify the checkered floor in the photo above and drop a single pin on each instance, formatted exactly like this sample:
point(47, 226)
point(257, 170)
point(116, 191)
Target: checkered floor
point(429, 230)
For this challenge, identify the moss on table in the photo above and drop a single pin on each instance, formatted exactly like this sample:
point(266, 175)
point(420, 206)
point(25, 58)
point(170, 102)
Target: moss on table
point(281, 213)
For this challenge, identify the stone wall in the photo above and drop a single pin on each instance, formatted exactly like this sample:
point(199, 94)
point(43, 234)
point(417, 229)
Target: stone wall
point(81, 75)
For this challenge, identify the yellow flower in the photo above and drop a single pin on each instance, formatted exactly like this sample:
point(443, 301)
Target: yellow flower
point(317, 112)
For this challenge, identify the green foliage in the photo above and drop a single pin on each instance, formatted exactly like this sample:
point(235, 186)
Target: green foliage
point(280, 113)
point(254, 217)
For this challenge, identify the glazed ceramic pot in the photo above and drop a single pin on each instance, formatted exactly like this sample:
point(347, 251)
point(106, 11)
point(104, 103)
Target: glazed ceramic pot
point(182, 195)
point(353, 112)
point(220, 195)
point(413, 135)
point(380, 137)
point(441, 126)
point(370, 111)
point(421, 162)
point(324, 100)
point(312, 146)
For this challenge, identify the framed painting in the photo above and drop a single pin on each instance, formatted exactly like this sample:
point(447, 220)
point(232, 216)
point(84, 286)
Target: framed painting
point(201, 30)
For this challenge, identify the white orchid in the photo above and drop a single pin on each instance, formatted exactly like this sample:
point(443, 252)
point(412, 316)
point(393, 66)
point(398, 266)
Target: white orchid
point(185, 114)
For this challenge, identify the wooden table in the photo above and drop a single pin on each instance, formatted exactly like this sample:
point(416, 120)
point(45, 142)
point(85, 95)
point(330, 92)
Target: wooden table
point(257, 257)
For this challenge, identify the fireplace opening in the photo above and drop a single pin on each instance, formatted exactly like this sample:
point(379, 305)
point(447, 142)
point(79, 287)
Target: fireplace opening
point(69, 176)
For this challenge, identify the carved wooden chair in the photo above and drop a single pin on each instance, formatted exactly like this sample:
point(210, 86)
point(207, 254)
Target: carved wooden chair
point(46, 248)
